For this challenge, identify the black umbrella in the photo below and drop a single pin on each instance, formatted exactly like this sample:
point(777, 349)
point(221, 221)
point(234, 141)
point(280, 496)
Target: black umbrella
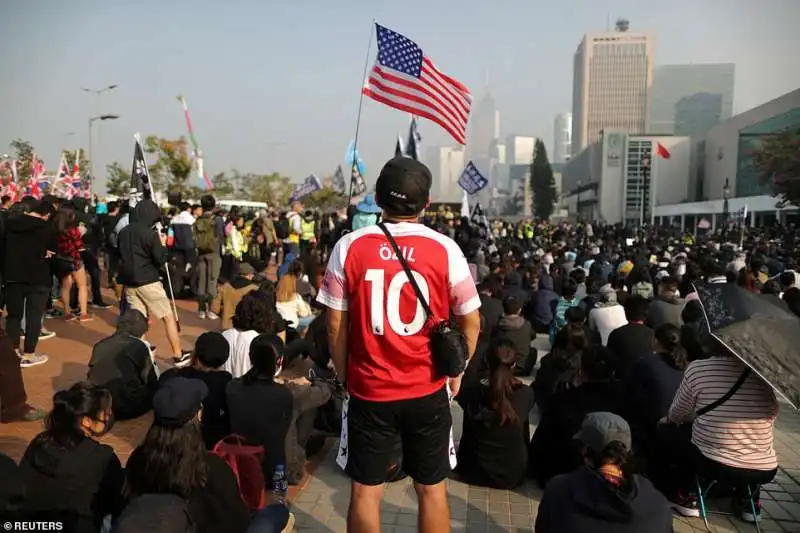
point(764, 336)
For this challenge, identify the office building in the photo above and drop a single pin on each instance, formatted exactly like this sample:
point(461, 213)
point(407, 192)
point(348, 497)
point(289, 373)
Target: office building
point(519, 149)
point(446, 164)
point(620, 178)
point(612, 76)
point(484, 127)
point(691, 99)
point(562, 138)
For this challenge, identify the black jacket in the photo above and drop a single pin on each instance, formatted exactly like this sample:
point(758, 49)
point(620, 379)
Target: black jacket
point(583, 502)
point(651, 388)
point(627, 344)
point(143, 255)
point(491, 309)
point(85, 481)
point(520, 332)
point(122, 364)
point(27, 241)
point(261, 412)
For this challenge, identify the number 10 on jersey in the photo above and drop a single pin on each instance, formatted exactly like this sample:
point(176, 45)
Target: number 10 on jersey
point(384, 303)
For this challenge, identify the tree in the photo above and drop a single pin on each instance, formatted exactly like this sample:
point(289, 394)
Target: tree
point(173, 165)
point(273, 189)
point(23, 153)
point(543, 184)
point(778, 164)
point(325, 199)
point(224, 187)
point(118, 180)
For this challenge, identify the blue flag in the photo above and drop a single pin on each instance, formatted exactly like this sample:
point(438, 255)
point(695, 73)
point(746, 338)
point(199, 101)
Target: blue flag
point(310, 184)
point(471, 179)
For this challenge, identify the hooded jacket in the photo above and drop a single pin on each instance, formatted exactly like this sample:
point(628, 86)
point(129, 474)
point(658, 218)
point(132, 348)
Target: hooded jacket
point(520, 332)
point(228, 297)
point(543, 303)
point(583, 502)
point(27, 241)
point(85, 481)
point(665, 309)
point(142, 253)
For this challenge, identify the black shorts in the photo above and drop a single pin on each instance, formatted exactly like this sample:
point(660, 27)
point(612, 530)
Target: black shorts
point(421, 424)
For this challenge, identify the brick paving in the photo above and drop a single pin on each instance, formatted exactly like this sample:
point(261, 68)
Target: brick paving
point(320, 503)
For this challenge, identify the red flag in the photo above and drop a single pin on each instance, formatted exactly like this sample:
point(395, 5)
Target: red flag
point(662, 151)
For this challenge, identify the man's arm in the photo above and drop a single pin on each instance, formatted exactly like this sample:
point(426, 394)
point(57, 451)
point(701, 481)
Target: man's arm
point(470, 325)
point(337, 323)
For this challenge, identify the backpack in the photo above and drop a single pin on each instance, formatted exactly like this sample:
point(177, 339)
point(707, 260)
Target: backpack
point(204, 236)
point(244, 461)
point(282, 228)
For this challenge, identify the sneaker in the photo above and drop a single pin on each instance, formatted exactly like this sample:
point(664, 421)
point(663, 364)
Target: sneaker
point(46, 334)
point(184, 360)
point(32, 359)
point(741, 506)
point(85, 317)
point(212, 316)
point(54, 313)
point(100, 305)
point(26, 414)
point(686, 505)
point(201, 315)
point(289, 524)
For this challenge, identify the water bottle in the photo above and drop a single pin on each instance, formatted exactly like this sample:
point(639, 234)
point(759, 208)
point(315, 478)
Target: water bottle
point(280, 486)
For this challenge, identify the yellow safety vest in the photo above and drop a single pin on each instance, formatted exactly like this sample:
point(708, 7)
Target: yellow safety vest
point(308, 230)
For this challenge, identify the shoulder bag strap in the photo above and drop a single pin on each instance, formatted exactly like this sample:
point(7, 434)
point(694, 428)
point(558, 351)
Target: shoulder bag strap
point(407, 270)
point(725, 397)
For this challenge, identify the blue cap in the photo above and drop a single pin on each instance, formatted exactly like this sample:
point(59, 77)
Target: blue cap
point(177, 401)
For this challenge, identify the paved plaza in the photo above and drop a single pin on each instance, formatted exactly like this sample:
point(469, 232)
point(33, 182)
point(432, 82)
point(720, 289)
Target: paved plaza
point(320, 504)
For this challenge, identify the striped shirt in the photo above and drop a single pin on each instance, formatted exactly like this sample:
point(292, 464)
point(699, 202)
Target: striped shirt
point(739, 433)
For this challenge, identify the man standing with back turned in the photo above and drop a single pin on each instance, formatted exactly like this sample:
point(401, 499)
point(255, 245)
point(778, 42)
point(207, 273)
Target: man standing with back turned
point(379, 337)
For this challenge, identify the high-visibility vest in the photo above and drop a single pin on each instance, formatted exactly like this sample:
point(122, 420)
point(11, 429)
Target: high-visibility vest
point(308, 232)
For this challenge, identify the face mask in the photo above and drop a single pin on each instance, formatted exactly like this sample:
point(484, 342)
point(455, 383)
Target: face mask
point(107, 426)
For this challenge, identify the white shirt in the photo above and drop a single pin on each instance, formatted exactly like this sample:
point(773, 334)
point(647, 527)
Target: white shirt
point(604, 320)
point(238, 364)
point(292, 310)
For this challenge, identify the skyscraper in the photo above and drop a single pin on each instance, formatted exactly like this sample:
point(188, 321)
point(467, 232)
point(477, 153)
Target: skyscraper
point(611, 83)
point(446, 164)
point(519, 149)
point(484, 127)
point(562, 137)
point(688, 100)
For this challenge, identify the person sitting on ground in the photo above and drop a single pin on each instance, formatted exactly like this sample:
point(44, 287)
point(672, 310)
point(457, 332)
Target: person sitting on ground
point(289, 303)
point(172, 459)
point(513, 327)
point(633, 340)
point(654, 381)
point(607, 315)
point(123, 364)
point(489, 291)
point(565, 302)
point(551, 450)
point(307, 396)
point(230, 294)
point(255, 315)
point(494, 442)
point(14, 405)
point(666, 307)
point(65, 469)
point(211, 351)
point(602, 495)
point(560, 367)
point(12, 486)
point(260, 407)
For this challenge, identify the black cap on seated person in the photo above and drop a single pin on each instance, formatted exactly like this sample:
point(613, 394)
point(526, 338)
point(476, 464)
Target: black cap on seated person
point(600, 429)
point(177, 401)
point(403, 187)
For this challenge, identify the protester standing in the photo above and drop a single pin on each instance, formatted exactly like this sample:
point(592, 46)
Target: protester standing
point(209, 260)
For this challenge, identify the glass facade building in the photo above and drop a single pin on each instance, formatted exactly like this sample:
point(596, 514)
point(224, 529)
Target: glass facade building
point(748, 181)
point(637, 182)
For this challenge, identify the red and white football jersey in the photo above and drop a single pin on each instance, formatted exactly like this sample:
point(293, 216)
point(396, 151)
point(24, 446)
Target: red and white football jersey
point(389, 353)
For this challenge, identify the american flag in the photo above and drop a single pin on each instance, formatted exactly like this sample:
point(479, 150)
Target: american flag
point(405, 78)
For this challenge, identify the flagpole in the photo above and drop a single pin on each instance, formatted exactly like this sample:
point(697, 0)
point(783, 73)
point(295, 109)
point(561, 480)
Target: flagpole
point(358, 117)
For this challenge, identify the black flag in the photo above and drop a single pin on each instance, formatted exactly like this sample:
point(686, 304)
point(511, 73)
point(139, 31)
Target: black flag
point(140, 174)
point(414, 138)
point(357, 184)
point(398, 148)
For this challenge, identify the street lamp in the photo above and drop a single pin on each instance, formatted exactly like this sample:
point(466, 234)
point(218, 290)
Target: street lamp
point(726, 194)
point(91, 159)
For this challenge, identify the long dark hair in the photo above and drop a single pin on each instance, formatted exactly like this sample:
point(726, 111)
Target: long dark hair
point(66, 217)
point(63, 423)
point(501, 358)
point(170, 460)
point(669, 337)
point(264, 357)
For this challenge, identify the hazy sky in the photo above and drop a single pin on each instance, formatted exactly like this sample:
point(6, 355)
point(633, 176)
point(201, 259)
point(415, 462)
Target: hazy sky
point(273, 85)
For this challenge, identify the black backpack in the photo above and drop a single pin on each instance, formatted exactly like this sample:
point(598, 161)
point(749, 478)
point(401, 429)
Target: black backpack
point(282, 228)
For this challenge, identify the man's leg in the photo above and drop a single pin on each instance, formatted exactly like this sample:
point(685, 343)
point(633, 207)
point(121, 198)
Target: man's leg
point(35, 306)
point(92, 266)
point(15, 305)
point(425, 430)
point(371, 434)
point(202, 270)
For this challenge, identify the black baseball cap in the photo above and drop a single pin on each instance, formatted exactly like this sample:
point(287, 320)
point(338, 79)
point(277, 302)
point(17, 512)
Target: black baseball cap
point(404, 186)
point(177, 401)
